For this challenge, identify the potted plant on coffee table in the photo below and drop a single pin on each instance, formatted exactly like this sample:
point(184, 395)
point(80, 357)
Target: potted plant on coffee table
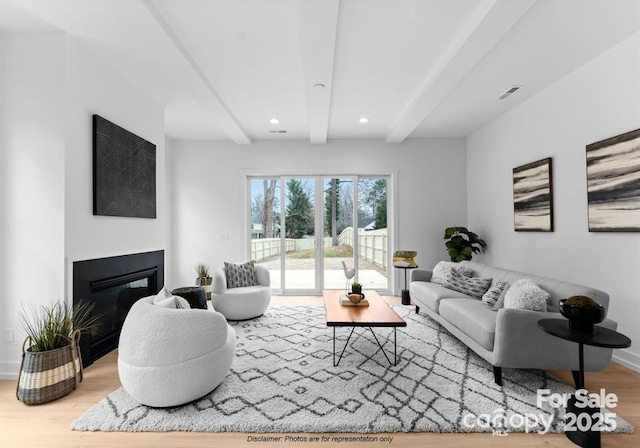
point(204, 279)
point(51, 362)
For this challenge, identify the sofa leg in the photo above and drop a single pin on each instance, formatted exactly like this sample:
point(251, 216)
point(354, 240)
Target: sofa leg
point(576, 377)
point(417, 309)
point(497, 375)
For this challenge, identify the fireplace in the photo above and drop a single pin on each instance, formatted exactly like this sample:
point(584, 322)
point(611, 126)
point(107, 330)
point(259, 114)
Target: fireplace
point(113, 284)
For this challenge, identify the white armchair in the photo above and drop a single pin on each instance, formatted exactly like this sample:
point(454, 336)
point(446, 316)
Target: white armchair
point(241, 303)
point(168, 357)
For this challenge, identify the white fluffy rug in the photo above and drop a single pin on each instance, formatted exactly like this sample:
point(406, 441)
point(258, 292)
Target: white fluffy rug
point(283, 380)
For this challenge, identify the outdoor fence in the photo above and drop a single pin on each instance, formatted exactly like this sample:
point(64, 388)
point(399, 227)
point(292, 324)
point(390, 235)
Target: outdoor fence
point(372, 245)
point(264, 248)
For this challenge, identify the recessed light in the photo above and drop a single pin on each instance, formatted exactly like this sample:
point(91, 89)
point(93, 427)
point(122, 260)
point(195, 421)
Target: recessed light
point(364, 120)
point(274, 121)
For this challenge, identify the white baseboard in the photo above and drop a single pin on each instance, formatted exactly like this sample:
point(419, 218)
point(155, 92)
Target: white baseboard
point(627, 359)
point(9, 370)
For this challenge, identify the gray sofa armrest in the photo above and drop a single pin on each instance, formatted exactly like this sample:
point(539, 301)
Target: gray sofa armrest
point(421, 275)
point(520, 343)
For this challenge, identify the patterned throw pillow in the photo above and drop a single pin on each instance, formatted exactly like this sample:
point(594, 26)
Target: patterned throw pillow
point(165, 299)
point(240, 275)
point(474, 286)
point(444, 268)
point(490, 298)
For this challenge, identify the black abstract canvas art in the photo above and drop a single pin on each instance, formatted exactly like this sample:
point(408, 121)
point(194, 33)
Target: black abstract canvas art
point(613, 183)
point(533, 197)
point(124, 172)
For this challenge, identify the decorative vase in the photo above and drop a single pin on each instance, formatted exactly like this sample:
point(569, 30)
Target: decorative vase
point(582, 318)
point(205, 282)
point(355, 297)
point(47, 376)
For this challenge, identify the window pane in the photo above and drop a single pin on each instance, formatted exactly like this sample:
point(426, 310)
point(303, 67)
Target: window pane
point(372, 233)
point(265, 226)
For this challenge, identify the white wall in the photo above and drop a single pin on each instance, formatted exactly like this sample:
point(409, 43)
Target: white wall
point(32, 177)
point(51, 85)
point(209, 191)
point(94, 88)
point(597, 101)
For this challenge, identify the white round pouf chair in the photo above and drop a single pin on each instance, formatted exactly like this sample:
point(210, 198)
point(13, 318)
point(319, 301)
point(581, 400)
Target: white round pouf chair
point(168, 356)
point(242, 303)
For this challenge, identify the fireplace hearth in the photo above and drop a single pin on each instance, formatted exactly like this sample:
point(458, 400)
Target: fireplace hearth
point(113, 284)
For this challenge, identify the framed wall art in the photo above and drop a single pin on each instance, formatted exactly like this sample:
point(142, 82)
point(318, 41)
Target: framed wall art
point(613, 183)
point(124, 172)
point(533, 197)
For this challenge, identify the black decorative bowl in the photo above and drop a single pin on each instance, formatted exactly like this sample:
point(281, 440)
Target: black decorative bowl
point(581, 318)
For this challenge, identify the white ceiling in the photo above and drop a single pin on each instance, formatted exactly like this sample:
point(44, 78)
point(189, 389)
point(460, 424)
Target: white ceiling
point(415, 68)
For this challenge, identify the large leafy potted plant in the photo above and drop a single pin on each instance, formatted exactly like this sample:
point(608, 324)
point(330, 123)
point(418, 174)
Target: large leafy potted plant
point(462, 243)
point(51, 362)
point(204, 279)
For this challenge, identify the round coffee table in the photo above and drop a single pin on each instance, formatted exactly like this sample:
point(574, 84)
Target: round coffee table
point(600, 337)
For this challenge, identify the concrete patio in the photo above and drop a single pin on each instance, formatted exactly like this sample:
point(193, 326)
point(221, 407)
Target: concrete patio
point(300, 274)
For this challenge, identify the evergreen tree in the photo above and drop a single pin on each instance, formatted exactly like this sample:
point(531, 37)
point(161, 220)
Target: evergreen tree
point(332, 210)
point(380, 189)
point(299, 211)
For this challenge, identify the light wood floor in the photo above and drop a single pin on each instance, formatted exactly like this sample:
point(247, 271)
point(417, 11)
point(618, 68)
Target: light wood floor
point(48, 425)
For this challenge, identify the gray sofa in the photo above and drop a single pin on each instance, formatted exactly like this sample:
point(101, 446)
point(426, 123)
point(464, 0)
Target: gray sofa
point(509, 338)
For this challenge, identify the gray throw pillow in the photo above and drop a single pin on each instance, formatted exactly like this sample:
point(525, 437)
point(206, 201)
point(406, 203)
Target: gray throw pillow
point(490, 298)
point(165, 299)
point(474, 286)
point(240, 275)
point(500, 302)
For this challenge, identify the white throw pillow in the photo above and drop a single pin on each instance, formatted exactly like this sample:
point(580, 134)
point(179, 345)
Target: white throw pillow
point(442, 270)
point(165, 299)
point(526, 295)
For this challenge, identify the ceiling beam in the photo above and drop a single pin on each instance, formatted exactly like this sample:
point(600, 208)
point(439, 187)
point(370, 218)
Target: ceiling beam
point(484, 29)
point(205, 92)
point(318, 28)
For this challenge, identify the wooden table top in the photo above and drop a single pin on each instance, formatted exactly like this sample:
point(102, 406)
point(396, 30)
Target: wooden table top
point(377, 314)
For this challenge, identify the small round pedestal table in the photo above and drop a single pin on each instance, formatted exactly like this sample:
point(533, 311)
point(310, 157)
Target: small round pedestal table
point(406, 299)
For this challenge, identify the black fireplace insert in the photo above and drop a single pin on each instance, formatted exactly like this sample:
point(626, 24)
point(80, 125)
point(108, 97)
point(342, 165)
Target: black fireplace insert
point(113, 284)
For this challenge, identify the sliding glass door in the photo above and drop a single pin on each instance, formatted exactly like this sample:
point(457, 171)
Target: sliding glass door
point(307, 230)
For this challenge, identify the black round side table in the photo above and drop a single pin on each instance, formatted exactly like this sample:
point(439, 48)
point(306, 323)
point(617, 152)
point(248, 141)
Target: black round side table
point(406, 299)
point(601, 337)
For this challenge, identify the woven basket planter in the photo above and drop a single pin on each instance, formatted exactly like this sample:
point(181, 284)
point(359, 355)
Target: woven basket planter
point(47, 376)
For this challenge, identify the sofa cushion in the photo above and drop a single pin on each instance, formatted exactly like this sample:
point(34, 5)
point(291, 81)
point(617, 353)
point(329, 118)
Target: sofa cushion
point(526, 295)
point(430, 294)
point(442, 270)
point(240, 275)
point(471, 317)
point(474, 287)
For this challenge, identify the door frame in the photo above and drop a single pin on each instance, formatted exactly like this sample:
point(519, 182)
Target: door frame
point(392, 217)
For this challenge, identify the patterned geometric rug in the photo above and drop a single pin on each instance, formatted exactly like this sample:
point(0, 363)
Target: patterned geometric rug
point(283, 380)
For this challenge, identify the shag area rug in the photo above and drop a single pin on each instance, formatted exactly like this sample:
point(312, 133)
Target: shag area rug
point(283, 380)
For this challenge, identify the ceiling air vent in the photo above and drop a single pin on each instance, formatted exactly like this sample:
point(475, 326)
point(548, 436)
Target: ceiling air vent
point(509, 92)
point(277, 132)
